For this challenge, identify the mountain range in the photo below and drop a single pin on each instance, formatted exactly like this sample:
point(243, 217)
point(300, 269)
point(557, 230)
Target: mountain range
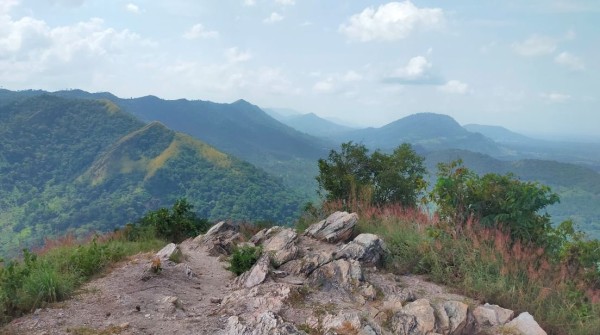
point(78, 161)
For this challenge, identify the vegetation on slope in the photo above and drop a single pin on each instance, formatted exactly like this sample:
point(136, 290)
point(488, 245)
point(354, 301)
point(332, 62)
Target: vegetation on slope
point(54, 273)
point(70, 165)
point(490, 240)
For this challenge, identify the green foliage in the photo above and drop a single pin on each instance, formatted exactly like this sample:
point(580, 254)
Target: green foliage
point(352, 174)
point(242, 259)
point(494, 200)
point(54, 275)
point(176, 224)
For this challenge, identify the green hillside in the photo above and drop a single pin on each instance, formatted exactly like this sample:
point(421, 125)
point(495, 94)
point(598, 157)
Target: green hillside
point(69, 165)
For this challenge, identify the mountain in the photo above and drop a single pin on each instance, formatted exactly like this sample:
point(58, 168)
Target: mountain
point(427, 130)
point(314, 125)
point(498, 134)
point(281, 114)
point(75, 165)
point(577, 186)
point(240, 129)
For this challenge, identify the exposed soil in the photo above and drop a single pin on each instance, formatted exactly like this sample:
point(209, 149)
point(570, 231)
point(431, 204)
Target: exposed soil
point(132, 300)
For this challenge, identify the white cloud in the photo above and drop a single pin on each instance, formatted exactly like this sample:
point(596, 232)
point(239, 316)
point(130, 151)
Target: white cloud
point(286, 2)
point(133, 8)
point(236, 56)
point(274, 17)
point(535, 45)
point(554, 97)
point(6, 5)
point(455, 87)
point(199, 31)
point(418, 71)
point(351, 76)
point(324, 86)
point(569, 60)
point(249, 2)
point(392, 21)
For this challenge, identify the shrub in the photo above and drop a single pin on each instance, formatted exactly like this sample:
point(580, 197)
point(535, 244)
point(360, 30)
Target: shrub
point(243, 258)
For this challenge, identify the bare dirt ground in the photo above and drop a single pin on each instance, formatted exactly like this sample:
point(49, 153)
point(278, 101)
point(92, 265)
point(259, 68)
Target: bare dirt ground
point(131, 300)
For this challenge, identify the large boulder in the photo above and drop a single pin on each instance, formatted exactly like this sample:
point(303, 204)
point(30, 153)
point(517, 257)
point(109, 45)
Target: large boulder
point(456, 312)
point(423, 314)
point(306, 265)
point(220, 239)
point(524, 324)
point(491, 315)
point(366, 248)
point(257, 274)
point(170, 250)
point(344, 274)
point(282, 246)
point(336, 228)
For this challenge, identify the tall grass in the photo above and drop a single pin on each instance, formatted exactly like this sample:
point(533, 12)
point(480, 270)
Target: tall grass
point(485, 264)
point(54, 272)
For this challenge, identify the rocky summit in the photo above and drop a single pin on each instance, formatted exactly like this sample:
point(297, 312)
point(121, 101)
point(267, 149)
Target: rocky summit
point(326, 281)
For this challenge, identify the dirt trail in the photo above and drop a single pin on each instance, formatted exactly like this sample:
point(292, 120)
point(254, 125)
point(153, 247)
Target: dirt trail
point(109, 305)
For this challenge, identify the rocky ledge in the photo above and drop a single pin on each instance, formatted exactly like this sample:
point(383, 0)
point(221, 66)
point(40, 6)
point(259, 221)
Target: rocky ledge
point(324, 282)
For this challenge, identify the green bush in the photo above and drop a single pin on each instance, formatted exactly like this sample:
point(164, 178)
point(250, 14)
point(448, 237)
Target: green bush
point(242, 259)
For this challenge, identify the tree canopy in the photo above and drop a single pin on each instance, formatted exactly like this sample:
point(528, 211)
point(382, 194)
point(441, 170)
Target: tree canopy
point(379, 178)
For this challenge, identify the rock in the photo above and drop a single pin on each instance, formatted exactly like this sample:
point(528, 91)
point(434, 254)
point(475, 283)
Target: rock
point(456, 312)
point(167, 251)
point(282, 246)
point(491, 315)
point(307, 264)
point(215, 300)
point(424, 315)
point(341, 273)
point(336, 228)
point(264, 234)
point(257, 274)
point(267, 323)
point(345, 322)
point(524, 324)
point(367, 248)
point(220, 239)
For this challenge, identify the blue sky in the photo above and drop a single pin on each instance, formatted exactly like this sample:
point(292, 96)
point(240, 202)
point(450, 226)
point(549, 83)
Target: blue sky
point(531, 66)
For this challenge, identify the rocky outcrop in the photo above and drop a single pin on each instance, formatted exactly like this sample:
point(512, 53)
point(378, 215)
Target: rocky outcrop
point(336, 228)
point(220, 239)
point(307, 284)
point(168, 252)
point(524, 324)
point(366, 248)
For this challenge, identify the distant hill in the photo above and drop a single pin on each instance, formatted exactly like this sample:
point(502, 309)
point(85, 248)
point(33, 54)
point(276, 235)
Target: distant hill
point(281, 114)
point(498, 134)
point(314, 125)
point(428, 130)
point(72, 165)
point(578, 186)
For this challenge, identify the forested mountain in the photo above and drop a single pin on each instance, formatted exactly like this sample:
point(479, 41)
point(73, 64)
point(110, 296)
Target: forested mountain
point(427, 130)
point(239, 128)
point(498, 134)
point(79, 165)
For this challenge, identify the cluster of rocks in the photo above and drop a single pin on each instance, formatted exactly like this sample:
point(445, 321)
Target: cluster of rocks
point(325, 282)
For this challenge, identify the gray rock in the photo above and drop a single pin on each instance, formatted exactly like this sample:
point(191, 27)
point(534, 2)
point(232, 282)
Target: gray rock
point(220, 239)
point(168, 251)
point(491, 315)
point(267, 323)
point(337, 227)
point(307, 264)
point(457, 316)
point(424, 315)
point(367, 248)
point(282, 246)
point(525, 324)
point(264, 234)
point(257, 274)
point(344, 274)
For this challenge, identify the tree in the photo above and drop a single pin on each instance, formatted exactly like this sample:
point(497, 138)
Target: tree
point(495, 200)
point(379, 178)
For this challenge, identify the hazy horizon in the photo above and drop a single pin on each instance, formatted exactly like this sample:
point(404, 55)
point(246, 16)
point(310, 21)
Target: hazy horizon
point(528, 67)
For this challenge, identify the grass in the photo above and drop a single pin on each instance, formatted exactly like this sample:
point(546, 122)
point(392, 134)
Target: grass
point(486, 265)
point(54, 272)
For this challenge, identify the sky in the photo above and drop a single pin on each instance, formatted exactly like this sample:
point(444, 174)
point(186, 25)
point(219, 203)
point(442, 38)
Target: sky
point(531, 66)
